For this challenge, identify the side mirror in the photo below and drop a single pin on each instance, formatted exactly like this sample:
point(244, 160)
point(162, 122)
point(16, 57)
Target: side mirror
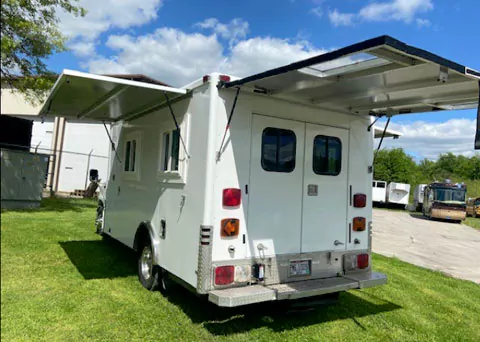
point(93, 175)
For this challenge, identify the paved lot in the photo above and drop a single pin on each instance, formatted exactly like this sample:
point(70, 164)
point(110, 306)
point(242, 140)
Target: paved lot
point(447, 247)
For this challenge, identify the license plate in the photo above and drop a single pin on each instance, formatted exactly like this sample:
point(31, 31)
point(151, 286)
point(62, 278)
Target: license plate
point(300, 267)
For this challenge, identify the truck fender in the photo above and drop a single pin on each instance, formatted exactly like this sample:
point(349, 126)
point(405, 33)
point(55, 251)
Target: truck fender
point(144, 229)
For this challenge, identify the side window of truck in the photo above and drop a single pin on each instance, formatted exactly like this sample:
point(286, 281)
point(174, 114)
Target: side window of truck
point(130, 153)
point(327, 155)
point(279, 148)
point(171, 150)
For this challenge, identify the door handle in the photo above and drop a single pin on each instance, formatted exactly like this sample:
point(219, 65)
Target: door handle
point(336, 243)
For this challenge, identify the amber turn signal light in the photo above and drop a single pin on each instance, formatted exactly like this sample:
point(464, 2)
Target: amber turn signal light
point(230, 227)
point(359, 224)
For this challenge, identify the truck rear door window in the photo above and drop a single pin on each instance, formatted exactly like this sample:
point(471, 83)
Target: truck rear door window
point(327, 155)
point(278, 150)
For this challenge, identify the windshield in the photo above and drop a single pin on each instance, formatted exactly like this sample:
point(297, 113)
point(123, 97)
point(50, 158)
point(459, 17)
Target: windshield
point(446, 195)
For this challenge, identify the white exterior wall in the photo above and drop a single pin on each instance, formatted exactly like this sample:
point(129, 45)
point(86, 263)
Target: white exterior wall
point(233, 169)
point(153, 195)
point(80, 139)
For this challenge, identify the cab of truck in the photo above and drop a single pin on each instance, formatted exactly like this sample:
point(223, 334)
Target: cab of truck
point(445, 201)
point(473, 207)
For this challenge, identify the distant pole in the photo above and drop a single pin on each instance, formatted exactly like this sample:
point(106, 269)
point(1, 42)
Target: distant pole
point(88, 167)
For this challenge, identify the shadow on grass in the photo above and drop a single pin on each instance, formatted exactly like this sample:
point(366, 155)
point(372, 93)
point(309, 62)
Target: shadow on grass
point(276, 316)
point(59, 205)
point(111, 259)
point(101, 259)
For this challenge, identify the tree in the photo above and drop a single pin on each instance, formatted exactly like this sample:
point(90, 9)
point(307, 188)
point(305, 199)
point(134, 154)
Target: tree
point(29, 35)
point(395, 166)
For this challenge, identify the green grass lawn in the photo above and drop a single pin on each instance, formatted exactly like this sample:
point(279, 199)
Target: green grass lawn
point(472, 222)
point(61, 282)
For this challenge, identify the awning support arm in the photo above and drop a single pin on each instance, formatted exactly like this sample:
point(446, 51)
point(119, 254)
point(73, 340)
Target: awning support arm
point(219, 153)
point(477, 134)
point(176, 123)
point(381, 140)
point(373, 123)
point(111, 142)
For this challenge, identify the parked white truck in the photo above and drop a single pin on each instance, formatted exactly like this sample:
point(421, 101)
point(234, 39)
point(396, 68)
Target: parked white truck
point(257, 189)
point(379, 191)
point(398, 193)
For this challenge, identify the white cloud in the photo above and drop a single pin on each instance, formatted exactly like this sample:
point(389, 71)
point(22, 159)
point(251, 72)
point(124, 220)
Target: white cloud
point(83, 49)
point(103, 15)
point(340, 19)
point(423, 22)
point(393, 10)
point(235, 30)
point(177, 58)
point(429, 139)
point(318, 11)
point(402, 10)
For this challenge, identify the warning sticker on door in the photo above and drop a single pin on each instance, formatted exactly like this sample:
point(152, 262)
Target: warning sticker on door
point(312, 190)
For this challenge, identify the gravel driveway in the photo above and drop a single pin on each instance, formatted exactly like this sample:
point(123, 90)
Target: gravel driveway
point(447, 247)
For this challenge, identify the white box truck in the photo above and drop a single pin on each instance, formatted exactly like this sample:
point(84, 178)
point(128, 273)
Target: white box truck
point(418, 193)
point(398, 193)
point(256, 189)
point(379, 191)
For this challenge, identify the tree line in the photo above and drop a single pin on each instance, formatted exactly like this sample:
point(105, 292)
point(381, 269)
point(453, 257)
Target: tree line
point(394, 165)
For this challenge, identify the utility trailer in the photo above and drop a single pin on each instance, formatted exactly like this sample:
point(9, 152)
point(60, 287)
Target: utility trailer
point(259, 188)
point(398, 193)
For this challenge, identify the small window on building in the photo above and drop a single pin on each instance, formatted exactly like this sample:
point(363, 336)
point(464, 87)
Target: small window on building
point(327, 155)
point(278, 150)
point(171, 150)
point(381, 185)
point(130, 154)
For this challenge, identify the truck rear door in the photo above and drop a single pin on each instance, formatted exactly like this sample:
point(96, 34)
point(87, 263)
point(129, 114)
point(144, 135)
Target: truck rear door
point(325, 189)
point(298, 192)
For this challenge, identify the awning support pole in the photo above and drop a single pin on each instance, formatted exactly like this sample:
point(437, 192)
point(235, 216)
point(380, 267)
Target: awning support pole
point(176, 124)
point(381, 140)
point(219, 153)
point(373, 123)
point(111, 142)
point(477, 135)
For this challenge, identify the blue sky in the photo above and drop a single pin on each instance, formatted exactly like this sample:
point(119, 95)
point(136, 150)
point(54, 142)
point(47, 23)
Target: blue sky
point(177, 41)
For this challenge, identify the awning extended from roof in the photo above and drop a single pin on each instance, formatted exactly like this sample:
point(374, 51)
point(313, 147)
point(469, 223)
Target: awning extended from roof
point(82, 96)
point(378, 132)
point(380, 76)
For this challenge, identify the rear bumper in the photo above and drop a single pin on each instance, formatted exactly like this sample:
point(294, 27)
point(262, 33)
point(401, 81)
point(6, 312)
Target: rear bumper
point(448, 214)
point(308, 288)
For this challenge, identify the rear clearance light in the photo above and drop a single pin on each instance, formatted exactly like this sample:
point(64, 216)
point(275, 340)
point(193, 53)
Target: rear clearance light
point(224, 275)
point(362, 261)
point(232, 197)
point(224, 78)
point(359, 224)
point(206, 78)
point(359, 200)
point(354, 262)
point(230, 227)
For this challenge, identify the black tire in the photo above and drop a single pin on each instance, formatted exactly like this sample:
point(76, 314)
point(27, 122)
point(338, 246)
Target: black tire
point(149, 275)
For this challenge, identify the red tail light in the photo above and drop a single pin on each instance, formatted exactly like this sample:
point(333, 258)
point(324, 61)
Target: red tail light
point(224, 78)
point(224, 275)
point(362, 261)
point(206, 78)
point(359, 200)
point(232, 197)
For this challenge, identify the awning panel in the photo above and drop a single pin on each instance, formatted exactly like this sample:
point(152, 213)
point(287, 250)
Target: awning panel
point(380, 76)
point(82, 96)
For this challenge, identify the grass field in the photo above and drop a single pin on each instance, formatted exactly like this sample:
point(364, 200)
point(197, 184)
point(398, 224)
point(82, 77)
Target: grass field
point(472, 222)
point(61, 282)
